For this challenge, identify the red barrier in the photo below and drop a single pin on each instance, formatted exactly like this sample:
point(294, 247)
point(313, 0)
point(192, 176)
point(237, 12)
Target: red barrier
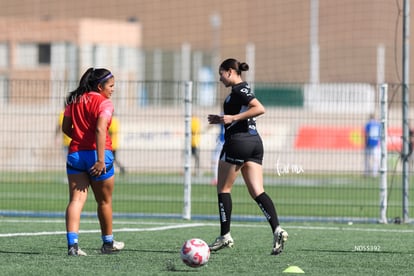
point(341, 138)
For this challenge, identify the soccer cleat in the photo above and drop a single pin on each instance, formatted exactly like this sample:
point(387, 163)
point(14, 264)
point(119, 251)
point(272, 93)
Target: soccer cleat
point(74, 250)
point(279, 239)
point(112, 247)
point(222, 242)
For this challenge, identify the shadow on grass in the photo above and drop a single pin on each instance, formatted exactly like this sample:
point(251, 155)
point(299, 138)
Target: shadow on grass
point(19, 252)
point(150, 251)
point(170, 267)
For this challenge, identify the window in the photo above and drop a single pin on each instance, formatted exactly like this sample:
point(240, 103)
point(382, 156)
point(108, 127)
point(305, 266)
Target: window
point(44, 54)
point(31, 55)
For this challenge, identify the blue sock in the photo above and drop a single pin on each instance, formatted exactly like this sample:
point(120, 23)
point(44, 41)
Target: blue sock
point(108, 238)
point(72, 238)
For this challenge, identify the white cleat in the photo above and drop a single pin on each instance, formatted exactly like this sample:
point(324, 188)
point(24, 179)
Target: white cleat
point(222, 242)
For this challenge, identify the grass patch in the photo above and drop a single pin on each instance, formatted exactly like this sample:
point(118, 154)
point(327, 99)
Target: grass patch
point(152, 248)
point(294, 196)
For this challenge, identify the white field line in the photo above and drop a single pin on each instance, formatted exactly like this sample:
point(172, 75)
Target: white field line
point(169, 226)
point(151, 229)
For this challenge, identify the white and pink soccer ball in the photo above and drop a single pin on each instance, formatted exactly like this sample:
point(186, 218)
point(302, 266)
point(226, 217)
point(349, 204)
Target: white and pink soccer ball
point(195, 252)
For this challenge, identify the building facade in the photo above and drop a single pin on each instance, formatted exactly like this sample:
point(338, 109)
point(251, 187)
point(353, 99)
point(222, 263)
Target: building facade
point(50, 51)
point(286, 41)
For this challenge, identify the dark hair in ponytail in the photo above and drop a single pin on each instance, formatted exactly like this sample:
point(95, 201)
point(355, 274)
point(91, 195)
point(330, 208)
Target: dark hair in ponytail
point(234, 64)
point(89, 82)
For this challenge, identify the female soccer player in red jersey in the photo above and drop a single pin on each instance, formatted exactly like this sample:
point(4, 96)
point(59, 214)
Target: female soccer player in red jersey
point(86, 120)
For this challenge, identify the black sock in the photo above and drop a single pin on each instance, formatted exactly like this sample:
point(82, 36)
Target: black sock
point(268, 208)
point(225, 208)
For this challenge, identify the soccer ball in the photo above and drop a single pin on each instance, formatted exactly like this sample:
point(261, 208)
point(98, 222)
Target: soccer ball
point(195, 252)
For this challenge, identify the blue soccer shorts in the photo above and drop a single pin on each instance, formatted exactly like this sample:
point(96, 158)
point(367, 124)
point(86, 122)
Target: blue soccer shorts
point(83, 160)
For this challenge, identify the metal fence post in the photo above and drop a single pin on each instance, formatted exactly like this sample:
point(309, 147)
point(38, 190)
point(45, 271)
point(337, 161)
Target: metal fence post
point(187, 152)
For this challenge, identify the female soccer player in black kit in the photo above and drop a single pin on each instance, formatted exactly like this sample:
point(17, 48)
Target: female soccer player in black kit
point(242, 151)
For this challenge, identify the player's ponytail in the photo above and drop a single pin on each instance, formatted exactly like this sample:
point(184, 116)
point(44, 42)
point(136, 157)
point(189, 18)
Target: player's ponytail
point(89, 82)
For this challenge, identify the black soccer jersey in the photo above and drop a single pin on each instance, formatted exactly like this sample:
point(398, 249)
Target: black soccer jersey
point(235, 103)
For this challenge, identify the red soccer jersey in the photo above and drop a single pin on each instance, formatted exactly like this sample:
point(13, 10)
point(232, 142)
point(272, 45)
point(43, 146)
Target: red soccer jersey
point(85, 112)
